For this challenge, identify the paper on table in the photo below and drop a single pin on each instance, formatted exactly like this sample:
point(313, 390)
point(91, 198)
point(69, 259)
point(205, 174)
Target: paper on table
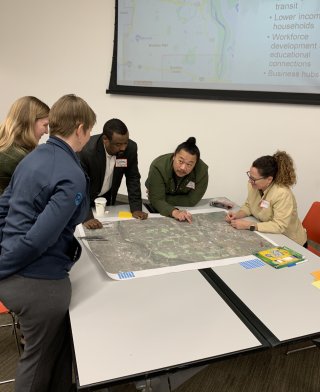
point(316, 283)
point(124, 214)
point(316, 274)
point(139, 255)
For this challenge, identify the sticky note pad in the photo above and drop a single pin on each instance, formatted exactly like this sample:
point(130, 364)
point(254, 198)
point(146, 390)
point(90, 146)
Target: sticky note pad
point(124, 214)
point(316, 274)
point(254, 263)
point(316, 284)
point(126, 275)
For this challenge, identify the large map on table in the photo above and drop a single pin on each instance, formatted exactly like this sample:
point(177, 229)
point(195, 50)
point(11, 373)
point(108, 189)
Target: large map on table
point(129, 246)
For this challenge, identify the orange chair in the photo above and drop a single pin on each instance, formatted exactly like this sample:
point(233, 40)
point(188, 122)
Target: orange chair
point(311, 223)
point(4, 310)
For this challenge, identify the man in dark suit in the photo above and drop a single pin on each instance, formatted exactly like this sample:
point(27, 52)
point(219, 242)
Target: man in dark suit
point(106, 158)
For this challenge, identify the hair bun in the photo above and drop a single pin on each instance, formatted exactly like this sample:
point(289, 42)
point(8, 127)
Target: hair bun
point(191, 141)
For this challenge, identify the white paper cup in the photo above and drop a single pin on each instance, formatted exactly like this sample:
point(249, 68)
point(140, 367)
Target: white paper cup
point(100, 203)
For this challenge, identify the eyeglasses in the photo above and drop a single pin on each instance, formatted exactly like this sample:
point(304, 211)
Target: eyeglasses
point(253, 180)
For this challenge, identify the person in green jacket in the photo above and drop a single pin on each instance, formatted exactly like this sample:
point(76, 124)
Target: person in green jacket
point(178, 179)
point(20, 133)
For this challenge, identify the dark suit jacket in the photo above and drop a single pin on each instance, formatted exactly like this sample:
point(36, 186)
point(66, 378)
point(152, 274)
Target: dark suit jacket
point(93, 160)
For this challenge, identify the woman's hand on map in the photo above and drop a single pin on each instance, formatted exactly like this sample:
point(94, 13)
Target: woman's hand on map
point(241, 224)
point(230, 216)
point(181, 215)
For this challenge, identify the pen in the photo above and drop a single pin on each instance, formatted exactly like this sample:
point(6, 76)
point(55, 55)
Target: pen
point(93, 238)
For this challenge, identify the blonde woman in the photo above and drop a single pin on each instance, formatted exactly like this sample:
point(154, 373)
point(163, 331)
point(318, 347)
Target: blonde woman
point(20, 133)
point(39, 210)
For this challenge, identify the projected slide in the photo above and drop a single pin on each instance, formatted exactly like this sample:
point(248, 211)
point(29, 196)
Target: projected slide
point(256, 45)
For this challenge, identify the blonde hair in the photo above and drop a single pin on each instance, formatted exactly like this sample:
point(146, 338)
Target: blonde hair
point(18, 127)
point(68, 113)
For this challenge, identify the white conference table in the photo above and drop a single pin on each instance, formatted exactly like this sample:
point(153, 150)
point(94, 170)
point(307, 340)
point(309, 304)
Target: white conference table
point(284, 300)
point(125, 329)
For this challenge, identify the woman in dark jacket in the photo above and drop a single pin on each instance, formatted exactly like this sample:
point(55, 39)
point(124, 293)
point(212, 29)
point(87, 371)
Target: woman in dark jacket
point(39, 210)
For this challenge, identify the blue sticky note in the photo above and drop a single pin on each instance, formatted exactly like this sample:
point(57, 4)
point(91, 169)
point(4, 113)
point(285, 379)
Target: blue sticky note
point(254, 263)
point(126, 275)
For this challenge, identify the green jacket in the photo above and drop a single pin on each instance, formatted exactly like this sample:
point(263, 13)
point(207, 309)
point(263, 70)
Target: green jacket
point(165, 190)
point(9, 160)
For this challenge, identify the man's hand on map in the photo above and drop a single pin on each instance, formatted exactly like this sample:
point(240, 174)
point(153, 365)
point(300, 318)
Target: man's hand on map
point(181, 215)
point(93, 224)
point(140, 215)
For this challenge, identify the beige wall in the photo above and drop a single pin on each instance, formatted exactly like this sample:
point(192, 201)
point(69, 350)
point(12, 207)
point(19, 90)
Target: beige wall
point(49, 48)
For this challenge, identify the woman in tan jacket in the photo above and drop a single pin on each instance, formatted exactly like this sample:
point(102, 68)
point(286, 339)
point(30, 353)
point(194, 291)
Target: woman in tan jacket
point(270, 199)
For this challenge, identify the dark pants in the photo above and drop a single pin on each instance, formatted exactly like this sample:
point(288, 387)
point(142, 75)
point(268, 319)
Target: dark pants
point(42, 308)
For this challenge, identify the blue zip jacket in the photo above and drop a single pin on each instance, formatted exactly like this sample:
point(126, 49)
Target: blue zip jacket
point(47, 197)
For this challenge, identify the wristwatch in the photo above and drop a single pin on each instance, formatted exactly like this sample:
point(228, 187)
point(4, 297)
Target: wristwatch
point(252, 227)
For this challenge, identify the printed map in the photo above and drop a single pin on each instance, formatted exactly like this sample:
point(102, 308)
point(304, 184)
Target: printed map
point(135, 245)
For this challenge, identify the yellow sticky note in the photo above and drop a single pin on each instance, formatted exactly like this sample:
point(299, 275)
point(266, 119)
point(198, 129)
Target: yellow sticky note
point(124, 214)
point(316, 274)
point(316, 283)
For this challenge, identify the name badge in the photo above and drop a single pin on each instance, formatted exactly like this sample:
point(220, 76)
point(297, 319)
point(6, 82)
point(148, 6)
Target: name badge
point(191, 185)
point(121, 163)
point(264, 204)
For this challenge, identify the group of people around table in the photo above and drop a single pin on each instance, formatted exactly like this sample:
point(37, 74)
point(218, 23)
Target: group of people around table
point(49, 189)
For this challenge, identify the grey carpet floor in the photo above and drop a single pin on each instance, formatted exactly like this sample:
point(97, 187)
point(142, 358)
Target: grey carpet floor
point(265, 371)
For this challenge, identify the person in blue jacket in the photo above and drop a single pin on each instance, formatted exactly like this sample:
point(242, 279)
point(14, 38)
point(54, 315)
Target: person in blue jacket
point(48, 195)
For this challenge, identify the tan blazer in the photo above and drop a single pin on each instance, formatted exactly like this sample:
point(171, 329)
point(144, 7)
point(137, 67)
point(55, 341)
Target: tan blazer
point(276, 212)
